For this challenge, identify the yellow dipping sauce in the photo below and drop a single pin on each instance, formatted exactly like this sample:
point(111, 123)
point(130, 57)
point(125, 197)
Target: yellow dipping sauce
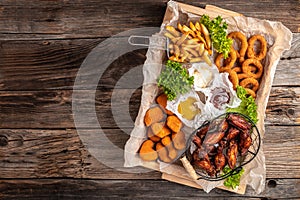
point(188, 109)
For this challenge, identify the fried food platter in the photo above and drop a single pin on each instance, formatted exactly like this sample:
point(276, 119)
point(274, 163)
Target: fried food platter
point(226, 80)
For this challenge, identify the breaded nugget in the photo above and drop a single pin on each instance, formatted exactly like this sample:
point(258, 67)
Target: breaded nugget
point(153, 115)
point(162, 101)
point(174, 123)
point(167, 142)
point(162, 153)
point(147, 151)
point(178, 140)
point(160, 130)
point(151, 136)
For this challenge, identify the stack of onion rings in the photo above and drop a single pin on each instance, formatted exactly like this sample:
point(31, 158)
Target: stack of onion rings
point(263, 47)
point(248, 71)
point(228, 63)
point(244, 44)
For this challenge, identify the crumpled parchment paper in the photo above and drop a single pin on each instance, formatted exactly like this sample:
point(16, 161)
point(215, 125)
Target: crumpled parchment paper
point(278, 38)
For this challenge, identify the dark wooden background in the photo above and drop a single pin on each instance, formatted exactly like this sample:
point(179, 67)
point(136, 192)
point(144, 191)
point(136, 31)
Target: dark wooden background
point(42, 45)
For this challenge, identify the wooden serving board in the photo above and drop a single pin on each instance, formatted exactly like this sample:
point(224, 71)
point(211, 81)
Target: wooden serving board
point(212, 11)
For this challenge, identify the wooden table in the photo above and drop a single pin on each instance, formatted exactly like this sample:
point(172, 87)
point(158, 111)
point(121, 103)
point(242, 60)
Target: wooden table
point(43, 44)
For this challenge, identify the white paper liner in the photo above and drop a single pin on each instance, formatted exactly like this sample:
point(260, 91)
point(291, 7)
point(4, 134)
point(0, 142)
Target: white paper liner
point(278, 38)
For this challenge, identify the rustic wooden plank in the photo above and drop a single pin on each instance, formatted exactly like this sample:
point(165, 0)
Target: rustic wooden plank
point(57, 153)
point(282, 106)
point(53, 64)
point(28, 65)
point(53, 109)
point(134, 189)
point(287, 72)
point(280, 147)
point(82, 19)
point(35, 153)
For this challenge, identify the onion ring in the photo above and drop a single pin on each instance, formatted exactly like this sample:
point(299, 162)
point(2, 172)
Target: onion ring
point(226, 65)
point(250, 83)
point(237, 69)
point(263, 47)
point(247, 69)
point(233, 78)
point(251, 92)
point(244, 44)
point(242, 76)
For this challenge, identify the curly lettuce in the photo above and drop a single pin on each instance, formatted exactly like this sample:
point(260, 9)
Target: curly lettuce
point(247, 107)
point(175, 80)
point(234, 180)
point(218, 34)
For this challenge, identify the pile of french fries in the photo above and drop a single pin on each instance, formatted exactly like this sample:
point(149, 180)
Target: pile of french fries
point(189, 44)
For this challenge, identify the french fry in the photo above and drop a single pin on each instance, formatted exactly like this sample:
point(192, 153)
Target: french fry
point(201, 49)
point(193, 46)
point(179, 26)
point(185, 54)
point(190, 43)
point(181, 40)
point(196, 60)
point(206, 35)
point(192, 51)
point(174, 40)
point(176, 50)
point(206, 58)
point(173, 58)
point(201, 39)
point(197, 26)
point(188, 30)
point(173, 31)
point(193, 27)
point(169, 35)
point(196, 40)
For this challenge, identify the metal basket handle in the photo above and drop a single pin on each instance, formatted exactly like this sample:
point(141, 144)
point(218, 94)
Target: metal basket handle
point(135, 40)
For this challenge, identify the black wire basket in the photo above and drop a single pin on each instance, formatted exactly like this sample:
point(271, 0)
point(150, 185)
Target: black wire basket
point(242, 159)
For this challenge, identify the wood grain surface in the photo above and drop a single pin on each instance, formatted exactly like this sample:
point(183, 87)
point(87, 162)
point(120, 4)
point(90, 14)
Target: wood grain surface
point(89, 19)
point(147, 189)
point(42, 46)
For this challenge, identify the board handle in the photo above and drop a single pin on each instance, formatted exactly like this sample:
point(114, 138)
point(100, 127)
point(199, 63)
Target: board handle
point(189, 168)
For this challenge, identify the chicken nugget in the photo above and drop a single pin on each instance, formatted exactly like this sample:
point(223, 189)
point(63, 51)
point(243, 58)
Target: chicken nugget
point(153, 115)
point(167, 142)
point(160, 130)
point(174, 123)
point(162, 101)
point(151, 136)
point(147, 151)
point(162, 153)
point(178, 140)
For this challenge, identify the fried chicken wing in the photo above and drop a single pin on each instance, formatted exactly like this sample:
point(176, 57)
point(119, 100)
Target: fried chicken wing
point(223, 126)
point(220, 161)
point(197, 141)
point(222, 144)
point(207, 166)
point(239, 122)
point(245, 142)
point(195, 155)
point(213, 138)
point(202, 131)
point(232, 154)
point(219, 125)
point(232, 133)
